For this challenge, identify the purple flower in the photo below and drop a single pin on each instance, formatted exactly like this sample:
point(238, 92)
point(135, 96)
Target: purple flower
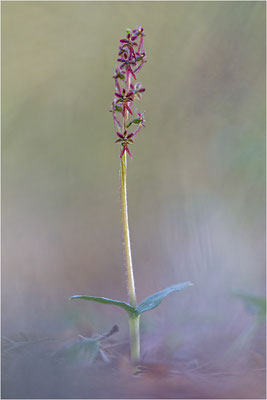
point(137, 89)
point(142, 118)
point(141, 123)
point(113, 109)
point(130, 44)
point(139, 32)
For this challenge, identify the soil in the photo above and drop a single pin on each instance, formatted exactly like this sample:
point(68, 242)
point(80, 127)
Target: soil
point(37, 367)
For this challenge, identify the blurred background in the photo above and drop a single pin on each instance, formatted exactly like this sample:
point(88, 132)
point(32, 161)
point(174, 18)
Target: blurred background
point(196, 184)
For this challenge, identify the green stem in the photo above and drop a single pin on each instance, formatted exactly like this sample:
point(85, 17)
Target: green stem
point(133, 320)
point(134, 337)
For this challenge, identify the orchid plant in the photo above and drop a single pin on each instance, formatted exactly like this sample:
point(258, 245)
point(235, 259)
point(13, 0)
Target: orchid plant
point(131, 59)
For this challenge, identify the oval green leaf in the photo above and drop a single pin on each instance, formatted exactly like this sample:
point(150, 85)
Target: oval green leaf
point(153, 301)
point(104, 300)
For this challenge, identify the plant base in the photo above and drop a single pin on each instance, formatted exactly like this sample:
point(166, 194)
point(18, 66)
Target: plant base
point(134, 338)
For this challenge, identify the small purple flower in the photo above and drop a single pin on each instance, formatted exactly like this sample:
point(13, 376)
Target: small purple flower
point(137, 89)
point(141, 123)
point(130, 44)
point(113, 109)
point(142, 118)
point(139, 32)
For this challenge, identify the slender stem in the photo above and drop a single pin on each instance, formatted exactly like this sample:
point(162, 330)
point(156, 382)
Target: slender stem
point(133, 321)
point(126, 233)
point(134, 338)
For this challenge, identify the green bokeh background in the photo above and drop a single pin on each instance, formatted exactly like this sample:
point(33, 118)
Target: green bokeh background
point(196, 182)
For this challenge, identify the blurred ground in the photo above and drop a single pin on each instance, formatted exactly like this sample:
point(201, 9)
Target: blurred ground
point(196, 194)
point(194, 369)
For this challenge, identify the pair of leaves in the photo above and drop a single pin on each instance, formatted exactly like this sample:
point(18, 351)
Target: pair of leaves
point(148, 304)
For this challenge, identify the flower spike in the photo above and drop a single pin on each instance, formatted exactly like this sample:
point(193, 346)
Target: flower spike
point(131, 58)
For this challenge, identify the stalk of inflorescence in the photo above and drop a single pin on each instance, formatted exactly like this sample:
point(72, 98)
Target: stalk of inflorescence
point(133, 319)
point(129, 58)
